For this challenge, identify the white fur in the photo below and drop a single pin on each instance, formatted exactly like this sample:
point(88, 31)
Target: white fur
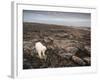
point(40, 48)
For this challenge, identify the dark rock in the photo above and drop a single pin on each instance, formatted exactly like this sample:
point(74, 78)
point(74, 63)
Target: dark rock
point(88, 49)
point(25, 60)
point(26, 52)
point(78, 60)
point(50, 38)
point(82, 52)
point(46, 40)
point(66, 55)
point(72, 50)
point(65, 35)
point(27, 48)
point(27, 65)
point(34, 40)
point(37, 63)
point(66, 46)
point(33, 52)
point(87, 60)
point(27, 44)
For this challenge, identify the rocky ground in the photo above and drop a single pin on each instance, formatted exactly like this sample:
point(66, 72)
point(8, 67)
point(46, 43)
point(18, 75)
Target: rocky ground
point(66, 46)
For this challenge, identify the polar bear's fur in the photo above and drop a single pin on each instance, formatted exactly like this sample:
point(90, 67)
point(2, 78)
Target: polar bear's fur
point(40, 48)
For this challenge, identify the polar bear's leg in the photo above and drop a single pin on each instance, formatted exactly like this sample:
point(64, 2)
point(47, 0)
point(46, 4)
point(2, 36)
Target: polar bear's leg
point(44, 55)
point(39, 53)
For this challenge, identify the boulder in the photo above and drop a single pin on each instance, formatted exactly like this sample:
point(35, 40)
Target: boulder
point(72, 50)
point(27, 44)
point(33, 52)
point(82, 52)
point(87, 60)
point(26, 52)
point(66, 55)
point(27, 65)
point(88, 49)
point(78, 60)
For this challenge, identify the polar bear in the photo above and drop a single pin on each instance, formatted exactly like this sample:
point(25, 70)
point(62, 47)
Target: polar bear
point(40, 48)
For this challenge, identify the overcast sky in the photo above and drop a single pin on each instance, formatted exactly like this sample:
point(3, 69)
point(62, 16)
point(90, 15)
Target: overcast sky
point(59, 18)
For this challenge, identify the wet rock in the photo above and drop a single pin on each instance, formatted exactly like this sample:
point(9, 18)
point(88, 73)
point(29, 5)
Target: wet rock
point(87, 60)
point(78, 60)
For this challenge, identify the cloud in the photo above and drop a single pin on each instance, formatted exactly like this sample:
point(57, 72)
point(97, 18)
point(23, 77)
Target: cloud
point(59, 18)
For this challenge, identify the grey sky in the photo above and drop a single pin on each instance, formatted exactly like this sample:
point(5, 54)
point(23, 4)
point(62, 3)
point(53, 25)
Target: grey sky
point(59, 18)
